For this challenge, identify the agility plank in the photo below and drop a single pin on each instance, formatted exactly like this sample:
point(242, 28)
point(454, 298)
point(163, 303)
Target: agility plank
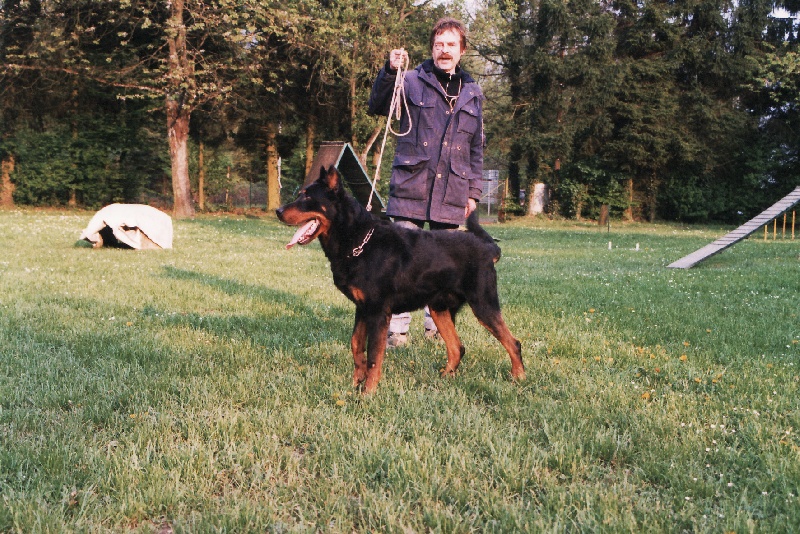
point(730, 239)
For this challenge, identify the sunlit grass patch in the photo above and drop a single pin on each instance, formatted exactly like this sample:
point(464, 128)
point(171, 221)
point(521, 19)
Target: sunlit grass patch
point(209, 388)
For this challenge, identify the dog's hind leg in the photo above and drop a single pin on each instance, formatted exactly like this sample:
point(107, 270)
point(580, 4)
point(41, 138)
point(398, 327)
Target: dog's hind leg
point(493, 321)
point(447, 329)
point(358, 344)
point(377, 328)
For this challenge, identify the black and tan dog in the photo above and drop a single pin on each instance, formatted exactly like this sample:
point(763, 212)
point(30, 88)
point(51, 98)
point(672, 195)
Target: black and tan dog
point(386, 269)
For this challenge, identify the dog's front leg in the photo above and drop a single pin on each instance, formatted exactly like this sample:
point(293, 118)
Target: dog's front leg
point(358, 344)
point(377, 330)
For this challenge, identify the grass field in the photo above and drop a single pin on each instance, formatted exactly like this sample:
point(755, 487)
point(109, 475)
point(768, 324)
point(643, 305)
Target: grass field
point(207, 389)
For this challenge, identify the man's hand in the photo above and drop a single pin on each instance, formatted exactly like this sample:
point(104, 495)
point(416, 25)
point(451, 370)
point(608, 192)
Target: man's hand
point(398, 58)
point(471, 206)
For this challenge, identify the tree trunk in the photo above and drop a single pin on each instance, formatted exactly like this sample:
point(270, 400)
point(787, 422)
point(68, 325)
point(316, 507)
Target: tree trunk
point(353, 101)
point(181, 81)
point(378, 130)
point(273, 180)
point(201, 177)
point(652, 193)
point(178, 133)
point(514, 174)
point(628, 213)
point(603, 220)
point(73, 195)
point(580, 202)
point(311, 139)
point(6, 185)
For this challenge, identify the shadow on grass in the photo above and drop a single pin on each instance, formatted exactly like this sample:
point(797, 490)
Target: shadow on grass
point(259, 227)
point(235, 288)
point(132, 357)
point(293, 321)
point(97, 333)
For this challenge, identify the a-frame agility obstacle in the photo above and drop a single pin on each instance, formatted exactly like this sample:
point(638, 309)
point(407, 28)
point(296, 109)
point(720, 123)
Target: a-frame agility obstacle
point(730, 239)
point(341, 155)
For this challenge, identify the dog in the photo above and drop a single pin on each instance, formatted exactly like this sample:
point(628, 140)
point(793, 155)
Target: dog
point(386, 269)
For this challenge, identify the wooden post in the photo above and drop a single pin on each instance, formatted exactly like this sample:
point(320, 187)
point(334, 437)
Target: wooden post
point(793, 224)
point(765, 232)
point(774, 228)
point(783, 235)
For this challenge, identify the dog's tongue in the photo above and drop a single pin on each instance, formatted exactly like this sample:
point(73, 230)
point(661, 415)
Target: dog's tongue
point(303, 231)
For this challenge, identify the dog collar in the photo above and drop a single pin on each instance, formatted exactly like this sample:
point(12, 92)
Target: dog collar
point(360, 248)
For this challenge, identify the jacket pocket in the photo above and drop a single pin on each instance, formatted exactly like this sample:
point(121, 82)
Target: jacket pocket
point(468, 125)
point(457, 190)
point(468, 120)
point(409, 177)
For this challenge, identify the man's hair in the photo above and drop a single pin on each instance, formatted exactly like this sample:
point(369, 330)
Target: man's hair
point(449, 23)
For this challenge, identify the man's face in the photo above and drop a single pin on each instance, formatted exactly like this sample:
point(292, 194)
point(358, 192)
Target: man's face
point(447, 50)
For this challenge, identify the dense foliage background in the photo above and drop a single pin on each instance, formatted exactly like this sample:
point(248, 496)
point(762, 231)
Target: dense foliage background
point(681, 110)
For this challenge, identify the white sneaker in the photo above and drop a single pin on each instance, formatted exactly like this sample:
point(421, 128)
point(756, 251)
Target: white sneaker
point(396, 340)
point(432, 334)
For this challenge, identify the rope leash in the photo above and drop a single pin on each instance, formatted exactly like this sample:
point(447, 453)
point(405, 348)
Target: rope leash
point(396, 107)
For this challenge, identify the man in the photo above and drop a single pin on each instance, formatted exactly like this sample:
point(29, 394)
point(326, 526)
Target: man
point(438, 166)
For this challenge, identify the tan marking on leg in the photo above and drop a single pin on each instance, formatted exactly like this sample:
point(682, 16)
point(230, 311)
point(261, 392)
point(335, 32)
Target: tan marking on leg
point(376, 350)
point(358, 345)
point(455, 349)
point(358, 295)
point(500, 330)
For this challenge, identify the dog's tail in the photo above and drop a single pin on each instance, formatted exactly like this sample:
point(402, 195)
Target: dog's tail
point(474, 227)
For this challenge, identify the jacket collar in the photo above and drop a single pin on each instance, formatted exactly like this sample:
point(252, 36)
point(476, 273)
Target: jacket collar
point(428, 67)
point(425, 73)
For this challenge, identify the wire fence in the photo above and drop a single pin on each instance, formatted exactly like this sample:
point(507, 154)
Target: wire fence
point(493, 195)
point(245, 196)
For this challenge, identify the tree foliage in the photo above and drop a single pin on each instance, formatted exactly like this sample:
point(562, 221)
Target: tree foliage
point(682, 110)
point(659, 94)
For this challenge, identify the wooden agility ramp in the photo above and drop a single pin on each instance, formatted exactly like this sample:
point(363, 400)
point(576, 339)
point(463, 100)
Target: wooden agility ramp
point(730, 239)
point(341, 155)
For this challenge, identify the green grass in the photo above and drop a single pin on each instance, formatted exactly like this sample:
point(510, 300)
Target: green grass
point(207, 389)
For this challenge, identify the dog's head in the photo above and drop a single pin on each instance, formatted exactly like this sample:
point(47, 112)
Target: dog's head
point(314, 209)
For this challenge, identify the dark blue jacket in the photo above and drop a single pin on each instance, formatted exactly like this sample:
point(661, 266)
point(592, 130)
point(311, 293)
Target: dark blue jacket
point(439, 164)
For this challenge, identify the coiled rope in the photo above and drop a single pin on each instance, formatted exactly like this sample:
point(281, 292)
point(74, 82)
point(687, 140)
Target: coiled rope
point(396, 108)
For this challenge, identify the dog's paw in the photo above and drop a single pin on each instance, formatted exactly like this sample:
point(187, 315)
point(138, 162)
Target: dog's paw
point(447, 373)
point(359, 378)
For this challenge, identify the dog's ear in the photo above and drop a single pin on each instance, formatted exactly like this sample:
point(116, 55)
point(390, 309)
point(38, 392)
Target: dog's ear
point(332, 178)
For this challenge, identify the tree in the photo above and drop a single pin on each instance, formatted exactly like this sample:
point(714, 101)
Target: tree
point(649, 93)
point(142, 50)
point(674, 107)
point(556, 57)
point(778, 83)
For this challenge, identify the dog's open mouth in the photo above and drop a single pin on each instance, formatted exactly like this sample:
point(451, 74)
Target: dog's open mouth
point(305, 234)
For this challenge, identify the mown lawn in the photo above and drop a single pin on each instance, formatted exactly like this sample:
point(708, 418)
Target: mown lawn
point(207, 389)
